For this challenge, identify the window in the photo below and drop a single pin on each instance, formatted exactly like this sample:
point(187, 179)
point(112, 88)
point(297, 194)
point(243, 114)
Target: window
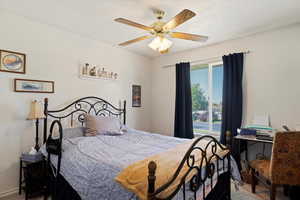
point(207, 88)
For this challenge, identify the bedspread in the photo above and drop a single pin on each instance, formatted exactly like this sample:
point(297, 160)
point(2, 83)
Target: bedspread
point(90, 164)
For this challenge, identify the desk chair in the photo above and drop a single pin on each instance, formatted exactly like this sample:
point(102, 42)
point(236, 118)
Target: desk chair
point(284, 166)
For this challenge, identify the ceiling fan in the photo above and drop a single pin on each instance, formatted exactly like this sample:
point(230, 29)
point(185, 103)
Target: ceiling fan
point(160, 30)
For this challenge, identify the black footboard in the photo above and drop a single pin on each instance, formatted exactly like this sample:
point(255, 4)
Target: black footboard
point(211, 169)
point(219, 192)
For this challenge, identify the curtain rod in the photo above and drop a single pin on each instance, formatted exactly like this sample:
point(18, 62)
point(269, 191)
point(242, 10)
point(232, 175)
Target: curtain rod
point(201, 60)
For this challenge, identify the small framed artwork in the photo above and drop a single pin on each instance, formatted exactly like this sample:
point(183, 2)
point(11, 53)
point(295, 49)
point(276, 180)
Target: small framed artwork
point(136, 96)
point(12, 62)
point(33, 86)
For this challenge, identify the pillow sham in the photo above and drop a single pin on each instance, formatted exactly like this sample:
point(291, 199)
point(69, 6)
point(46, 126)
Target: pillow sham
point(101, 125)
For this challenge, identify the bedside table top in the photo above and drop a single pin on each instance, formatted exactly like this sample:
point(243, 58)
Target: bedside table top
point(28, 158)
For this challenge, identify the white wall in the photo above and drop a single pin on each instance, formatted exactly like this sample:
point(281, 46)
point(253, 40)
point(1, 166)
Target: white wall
point(54, 54)
point(271, 78)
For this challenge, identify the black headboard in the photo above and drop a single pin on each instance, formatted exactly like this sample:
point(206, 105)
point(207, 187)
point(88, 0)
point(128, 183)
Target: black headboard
point(76, 111)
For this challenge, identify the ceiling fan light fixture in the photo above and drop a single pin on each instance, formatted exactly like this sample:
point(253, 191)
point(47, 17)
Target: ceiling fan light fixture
point(161, 29)
point(160, 44)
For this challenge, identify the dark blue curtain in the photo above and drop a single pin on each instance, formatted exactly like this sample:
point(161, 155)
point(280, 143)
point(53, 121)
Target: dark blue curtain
point(183, 127)
point(232, 94)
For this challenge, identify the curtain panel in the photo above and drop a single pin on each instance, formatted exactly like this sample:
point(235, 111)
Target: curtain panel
point(183, 126)
point(232, 101)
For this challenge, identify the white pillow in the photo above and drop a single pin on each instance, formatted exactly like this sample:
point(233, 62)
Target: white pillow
point(102, 125)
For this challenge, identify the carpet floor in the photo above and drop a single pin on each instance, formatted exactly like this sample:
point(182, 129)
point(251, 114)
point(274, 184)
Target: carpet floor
point(263, 193)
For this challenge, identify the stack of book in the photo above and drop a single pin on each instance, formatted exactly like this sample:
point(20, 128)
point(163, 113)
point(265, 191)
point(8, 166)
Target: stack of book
point(263, 132)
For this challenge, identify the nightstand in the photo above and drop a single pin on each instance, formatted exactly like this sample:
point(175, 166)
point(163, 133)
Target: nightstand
point(32, 177)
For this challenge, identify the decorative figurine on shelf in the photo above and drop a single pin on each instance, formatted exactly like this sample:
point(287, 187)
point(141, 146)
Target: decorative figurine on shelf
point(115, 75)
point(93, 71)
point(85, 69)
point(99, 72)
point(104, 73)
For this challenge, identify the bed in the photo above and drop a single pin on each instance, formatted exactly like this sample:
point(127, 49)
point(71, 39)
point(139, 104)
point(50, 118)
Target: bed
point(89, 167)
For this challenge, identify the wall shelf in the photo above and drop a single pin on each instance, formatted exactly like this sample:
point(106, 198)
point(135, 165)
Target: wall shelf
point(96, 73)
point(86, 77)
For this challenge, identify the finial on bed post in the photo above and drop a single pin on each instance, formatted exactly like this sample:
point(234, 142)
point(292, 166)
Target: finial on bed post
point(45, 119)
point(151, 180)
point(228, 139)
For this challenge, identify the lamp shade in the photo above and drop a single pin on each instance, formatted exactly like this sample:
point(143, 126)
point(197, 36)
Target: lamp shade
point(36, 111)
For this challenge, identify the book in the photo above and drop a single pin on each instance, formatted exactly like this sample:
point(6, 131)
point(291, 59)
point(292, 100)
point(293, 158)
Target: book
point(264, 137)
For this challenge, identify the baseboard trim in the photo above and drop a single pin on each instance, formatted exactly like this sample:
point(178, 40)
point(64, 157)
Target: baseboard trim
point(9, 192)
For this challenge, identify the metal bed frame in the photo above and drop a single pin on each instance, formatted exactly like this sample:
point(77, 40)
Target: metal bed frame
point(209, 164)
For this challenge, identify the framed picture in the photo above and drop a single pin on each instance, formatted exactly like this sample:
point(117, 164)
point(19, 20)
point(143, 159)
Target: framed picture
point(136, 96)
point(13, 62)
point(33, 86)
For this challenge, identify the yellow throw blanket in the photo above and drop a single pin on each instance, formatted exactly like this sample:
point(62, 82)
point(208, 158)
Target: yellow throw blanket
point(135, 176)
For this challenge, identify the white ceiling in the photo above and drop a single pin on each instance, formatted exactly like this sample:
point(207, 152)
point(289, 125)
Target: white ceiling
point(219, 19)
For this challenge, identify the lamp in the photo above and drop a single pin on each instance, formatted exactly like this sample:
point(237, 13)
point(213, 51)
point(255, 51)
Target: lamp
point(36, 113)
point(160, 44)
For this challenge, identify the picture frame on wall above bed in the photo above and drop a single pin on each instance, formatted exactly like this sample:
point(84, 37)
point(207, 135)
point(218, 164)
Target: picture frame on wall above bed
point(33, 86)
point(136, 96)
point(12, 62)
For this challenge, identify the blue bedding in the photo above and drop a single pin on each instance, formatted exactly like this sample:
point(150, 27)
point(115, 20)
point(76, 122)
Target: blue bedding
point(90, 164)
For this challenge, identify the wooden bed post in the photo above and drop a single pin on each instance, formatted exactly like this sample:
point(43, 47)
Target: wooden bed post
point(228, 139)
point(151, 180)
point(45, 119)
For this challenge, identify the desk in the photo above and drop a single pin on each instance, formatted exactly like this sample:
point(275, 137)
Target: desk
point(249, 138)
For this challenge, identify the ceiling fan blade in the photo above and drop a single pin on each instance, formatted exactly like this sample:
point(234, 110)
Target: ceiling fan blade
point(179, 19)
point(135, 40)
point(131, 23)
point(188, 36)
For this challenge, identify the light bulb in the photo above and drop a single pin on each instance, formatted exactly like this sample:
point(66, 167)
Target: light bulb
point(160, 44)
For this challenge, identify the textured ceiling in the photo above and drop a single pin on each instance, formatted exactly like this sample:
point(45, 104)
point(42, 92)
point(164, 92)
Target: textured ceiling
point(219, 19)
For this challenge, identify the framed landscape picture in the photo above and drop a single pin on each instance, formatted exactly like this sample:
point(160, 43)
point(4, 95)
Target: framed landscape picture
point(12, 62)
point(33, 86)
point(136, 96)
